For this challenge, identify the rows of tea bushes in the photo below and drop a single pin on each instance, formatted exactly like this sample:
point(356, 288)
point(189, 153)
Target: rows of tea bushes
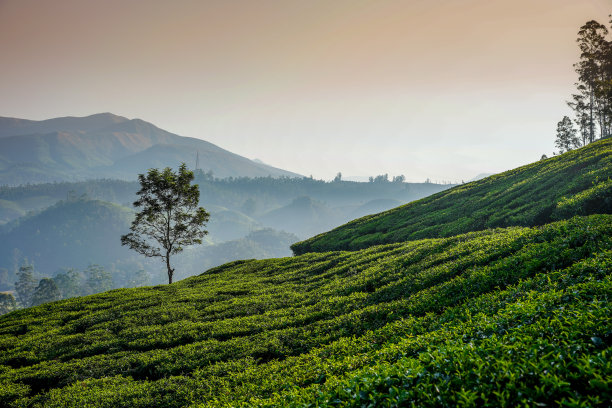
point(575, 183)
point(504, 317)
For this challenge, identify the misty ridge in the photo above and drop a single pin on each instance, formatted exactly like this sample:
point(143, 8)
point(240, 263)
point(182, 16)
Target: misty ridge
point(106, 146)
point(257, 211)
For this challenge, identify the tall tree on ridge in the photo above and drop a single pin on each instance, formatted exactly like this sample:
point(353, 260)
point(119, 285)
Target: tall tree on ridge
point(566, 135)
point(591, 73)
point(582, 117)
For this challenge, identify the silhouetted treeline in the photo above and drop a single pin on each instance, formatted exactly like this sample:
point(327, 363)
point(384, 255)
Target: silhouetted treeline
point(592, 101)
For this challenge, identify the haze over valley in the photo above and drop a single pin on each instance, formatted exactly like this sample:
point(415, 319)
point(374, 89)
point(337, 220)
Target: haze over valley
point(257, 211)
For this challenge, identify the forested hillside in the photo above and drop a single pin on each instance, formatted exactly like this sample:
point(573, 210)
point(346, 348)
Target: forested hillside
point(577, 182)
point(72, 233)
point(252, 196)
point(504, 317)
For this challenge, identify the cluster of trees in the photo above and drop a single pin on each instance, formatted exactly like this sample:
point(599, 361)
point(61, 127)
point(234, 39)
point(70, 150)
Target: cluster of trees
point(32, 291)
point(592, 102)
point(381, 178)
point(384, 178)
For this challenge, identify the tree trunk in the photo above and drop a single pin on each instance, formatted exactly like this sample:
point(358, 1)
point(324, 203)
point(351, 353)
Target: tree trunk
point(170, 270)
point(592, 131)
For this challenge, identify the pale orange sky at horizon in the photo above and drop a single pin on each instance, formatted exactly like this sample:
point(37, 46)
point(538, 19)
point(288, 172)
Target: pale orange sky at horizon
point(434, 89)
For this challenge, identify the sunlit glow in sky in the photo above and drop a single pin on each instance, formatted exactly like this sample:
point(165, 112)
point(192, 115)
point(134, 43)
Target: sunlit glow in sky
point(440, 89)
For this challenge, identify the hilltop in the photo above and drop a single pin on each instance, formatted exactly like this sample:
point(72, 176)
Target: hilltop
point(107, 146)
point(577, 182)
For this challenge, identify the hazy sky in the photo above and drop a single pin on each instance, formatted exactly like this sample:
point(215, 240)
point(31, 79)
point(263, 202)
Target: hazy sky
point(444, 89)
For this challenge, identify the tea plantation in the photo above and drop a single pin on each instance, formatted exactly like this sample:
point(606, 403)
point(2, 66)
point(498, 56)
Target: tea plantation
point(447, 313)
point(505, 317)
point(577, 182)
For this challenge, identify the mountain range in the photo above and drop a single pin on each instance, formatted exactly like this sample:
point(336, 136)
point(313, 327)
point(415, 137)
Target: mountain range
point(108, 146)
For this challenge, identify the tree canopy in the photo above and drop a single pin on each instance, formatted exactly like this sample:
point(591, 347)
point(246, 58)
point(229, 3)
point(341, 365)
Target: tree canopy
point(566, 135)
point(170, 217)
point(592, 102)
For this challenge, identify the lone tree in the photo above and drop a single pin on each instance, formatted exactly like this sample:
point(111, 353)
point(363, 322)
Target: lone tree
point(170, 217)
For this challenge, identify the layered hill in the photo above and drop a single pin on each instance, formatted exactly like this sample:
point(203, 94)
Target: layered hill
point(303, 216)
point(107, 146)
point(79, 231)
point(72, 233)
point(577, 182)
point(504, 317)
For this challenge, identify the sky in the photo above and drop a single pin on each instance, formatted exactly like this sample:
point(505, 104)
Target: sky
point(438, 89)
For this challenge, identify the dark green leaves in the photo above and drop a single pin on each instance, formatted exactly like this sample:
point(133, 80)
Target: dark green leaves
point(514, 317)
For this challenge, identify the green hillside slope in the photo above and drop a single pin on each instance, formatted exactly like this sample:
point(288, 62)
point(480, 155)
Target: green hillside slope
point(504, 317)
point(577, 182)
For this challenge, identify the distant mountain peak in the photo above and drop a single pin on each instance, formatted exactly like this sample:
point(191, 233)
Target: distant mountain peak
point(102, 115)
point(134, 126)
point(20, 127)
point(107, 145)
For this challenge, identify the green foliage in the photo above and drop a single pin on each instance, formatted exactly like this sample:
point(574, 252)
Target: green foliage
point(551, 189)
point(97, 280)
point(596, 199)
point(69, 283)
point(566, 136)
point(45, 292)
point(504, 317)
point(7, 303)
point(25, 285)
point(170, 217)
